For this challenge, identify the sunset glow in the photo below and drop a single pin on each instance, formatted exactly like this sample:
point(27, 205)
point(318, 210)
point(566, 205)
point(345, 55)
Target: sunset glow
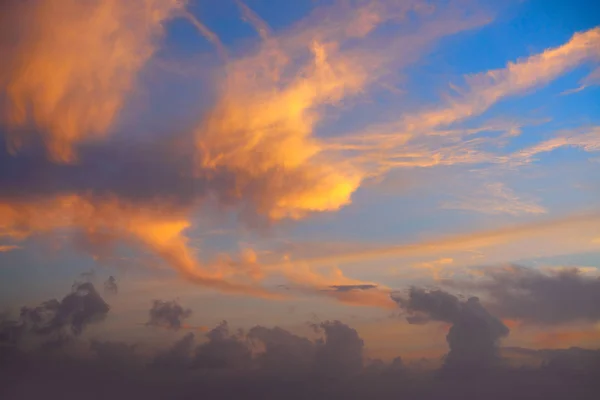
point(306, 188)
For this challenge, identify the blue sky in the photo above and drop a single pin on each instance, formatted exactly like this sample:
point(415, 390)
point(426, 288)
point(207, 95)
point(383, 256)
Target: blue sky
point(306, 172)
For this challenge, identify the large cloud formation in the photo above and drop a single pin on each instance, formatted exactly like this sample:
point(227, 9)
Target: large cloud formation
point(255, 151)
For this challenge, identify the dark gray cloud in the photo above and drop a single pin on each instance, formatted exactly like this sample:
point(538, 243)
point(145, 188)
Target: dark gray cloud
point(284, 352)
point(74, 312)
point(530, 295)
point(474, 335)
point(348, 288)
point(132, 174)
point(340, 353)
point(274, 351)
point(223, 351)
point(54, 324)
point(165, 168)
point(473, 338)
point(568, 362)
point(283, 365)
point(433, 304)
point(167, 314)
point(10, 331)
point(177, 357)
point(114, 354)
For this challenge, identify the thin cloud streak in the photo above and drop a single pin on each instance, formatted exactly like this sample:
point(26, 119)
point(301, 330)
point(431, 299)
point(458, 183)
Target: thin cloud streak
point(464, 242)
point(496, 198)
point(5, 248)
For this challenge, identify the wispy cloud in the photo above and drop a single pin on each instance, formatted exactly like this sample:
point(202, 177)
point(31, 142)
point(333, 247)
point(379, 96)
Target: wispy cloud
point(407, 142)
point(548, 230)
point(496, 198)
point(587, 139)
point(485, 89)
point(8, 247)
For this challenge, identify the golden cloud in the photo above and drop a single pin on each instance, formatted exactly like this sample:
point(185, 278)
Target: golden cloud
point(73, 64)
point(263, 130)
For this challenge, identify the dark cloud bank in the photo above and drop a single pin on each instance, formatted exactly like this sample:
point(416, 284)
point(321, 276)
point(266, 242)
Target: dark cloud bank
point(37, 361)
point(545, 298)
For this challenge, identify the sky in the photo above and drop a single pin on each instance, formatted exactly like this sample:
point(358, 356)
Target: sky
point(388, 169)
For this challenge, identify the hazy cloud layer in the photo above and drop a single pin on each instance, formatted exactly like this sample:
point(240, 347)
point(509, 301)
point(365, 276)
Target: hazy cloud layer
point(271, 362)
point(287, 366)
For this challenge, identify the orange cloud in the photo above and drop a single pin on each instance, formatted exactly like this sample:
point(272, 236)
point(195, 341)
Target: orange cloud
point(440, 268)
point(511, 323)
point(262, 128)
point(270, 103)
point(8, 247)
point(487, 88)
point(156, 227)
point(73, 63)
point(304, 277)
point(160, 229)
point(82, 60)
point(422, 139)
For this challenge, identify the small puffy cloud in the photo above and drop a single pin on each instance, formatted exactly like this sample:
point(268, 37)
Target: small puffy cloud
point(167, 314)
point(110, 286)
